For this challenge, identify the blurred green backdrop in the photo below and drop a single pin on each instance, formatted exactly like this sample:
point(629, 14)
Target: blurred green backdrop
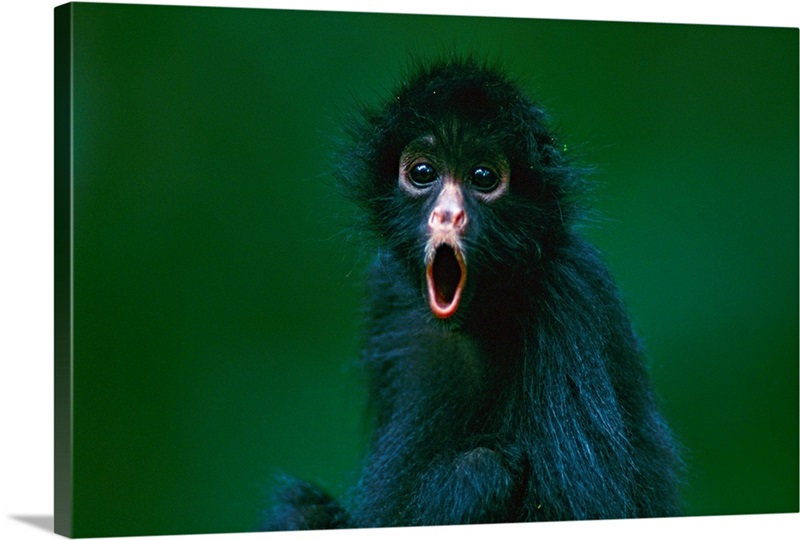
point(217, 289)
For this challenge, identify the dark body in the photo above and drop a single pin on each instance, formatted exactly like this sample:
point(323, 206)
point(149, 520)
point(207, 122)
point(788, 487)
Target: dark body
point(505, 379)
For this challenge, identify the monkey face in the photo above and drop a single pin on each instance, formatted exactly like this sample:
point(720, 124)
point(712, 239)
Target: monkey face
point(453, 185)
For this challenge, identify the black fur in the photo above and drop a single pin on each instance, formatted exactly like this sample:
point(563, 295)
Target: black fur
point(533, 401)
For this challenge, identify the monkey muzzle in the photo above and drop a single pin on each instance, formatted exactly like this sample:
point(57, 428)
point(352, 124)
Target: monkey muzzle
point(445, 267)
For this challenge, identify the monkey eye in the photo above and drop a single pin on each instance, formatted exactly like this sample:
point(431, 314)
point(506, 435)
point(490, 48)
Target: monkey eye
point(422, 175)
point(484, 179)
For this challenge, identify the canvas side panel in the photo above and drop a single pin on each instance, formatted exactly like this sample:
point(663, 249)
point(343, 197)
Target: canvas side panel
point(63, 469)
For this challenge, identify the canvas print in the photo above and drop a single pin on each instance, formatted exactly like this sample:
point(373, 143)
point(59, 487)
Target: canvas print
point(322, 270)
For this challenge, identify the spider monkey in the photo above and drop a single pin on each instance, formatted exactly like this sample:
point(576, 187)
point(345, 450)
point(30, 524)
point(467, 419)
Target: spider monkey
point(504, 376)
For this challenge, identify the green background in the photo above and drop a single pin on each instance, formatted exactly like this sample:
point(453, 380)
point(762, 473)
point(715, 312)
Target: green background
point(217, 286)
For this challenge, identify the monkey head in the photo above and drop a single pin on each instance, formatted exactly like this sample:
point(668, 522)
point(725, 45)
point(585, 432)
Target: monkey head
point(461, 180)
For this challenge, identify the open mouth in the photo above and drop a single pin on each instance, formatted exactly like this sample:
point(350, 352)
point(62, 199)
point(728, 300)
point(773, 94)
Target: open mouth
point(446, 274)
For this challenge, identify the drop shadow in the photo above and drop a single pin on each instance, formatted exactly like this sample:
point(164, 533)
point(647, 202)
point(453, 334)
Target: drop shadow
point(46, 523)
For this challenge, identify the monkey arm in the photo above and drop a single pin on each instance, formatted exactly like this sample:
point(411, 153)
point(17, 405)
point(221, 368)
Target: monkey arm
point(476, 486)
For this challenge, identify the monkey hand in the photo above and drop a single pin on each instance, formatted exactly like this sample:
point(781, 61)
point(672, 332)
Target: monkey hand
point(299, 505)
point(476, 487)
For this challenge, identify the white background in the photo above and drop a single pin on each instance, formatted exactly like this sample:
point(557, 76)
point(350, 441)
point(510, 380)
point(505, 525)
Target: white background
point(26, 260)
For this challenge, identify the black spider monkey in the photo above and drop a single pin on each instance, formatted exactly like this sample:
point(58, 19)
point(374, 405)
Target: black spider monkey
point(504, 376)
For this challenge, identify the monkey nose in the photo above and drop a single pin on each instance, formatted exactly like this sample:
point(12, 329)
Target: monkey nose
point(448, 215)
point(448, 212)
